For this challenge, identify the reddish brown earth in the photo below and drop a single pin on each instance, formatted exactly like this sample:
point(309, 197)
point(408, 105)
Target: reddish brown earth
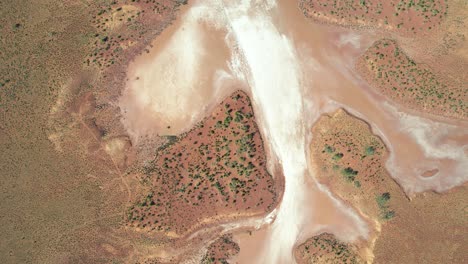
point(121, 31)
point(221, 250)
point(428, 229)
point(83, 113)
point(350, 161)
point(414, 85)
point(405, 17)
point(213, 173)
point(122, 24)
point(65, 153)
point(325, 248)
point(66, 180)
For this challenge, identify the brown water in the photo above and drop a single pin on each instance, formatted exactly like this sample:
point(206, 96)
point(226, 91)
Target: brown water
point(294, 71)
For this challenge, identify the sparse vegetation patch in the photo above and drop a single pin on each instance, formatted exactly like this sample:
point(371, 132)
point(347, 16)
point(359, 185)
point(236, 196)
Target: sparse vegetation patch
point(406, 82)
point(351, 159)
point(403, 16)
point(325, 248)
point(382, 200)
point(221, 250)
point(216, 170)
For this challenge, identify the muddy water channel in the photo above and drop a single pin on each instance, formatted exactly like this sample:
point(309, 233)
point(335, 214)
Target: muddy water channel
point(294, 71)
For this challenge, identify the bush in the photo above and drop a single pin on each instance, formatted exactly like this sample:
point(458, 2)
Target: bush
point(338, 156)
point(349, 174)
point(329, 149)
point(383, 199)
point(388, 215)
point(370, 150)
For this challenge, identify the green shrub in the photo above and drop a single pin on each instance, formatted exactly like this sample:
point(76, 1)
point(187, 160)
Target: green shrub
point(349, 174)
point(329, 149)
point(337, 156)
point(388, 215)
point(370, 151)
point(236, 183)
point(383, 199)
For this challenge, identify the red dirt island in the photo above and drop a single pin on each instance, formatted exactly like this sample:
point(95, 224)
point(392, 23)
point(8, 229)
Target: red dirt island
point(325, 248)
point(411, 84)
point(213, 173)
point(406, 17)
point(349, 160)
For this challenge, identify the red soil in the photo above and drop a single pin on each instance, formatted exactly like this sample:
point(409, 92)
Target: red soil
point(120, 26)
point(405, 17)
point(350, 159)
point(368, 188)
point(221, 250)
point(411, 84)
point(213, 173)
point(325, 248)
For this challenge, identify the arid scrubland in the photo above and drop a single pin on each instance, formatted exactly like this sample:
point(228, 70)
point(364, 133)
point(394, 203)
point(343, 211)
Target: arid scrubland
point(78, 187)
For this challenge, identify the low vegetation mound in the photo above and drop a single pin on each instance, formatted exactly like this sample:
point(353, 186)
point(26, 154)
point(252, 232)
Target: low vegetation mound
point(351, 161)
point(214, 172)
point(221, 250)
point(414, 85)
point(325, 248)
point(403, 16)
